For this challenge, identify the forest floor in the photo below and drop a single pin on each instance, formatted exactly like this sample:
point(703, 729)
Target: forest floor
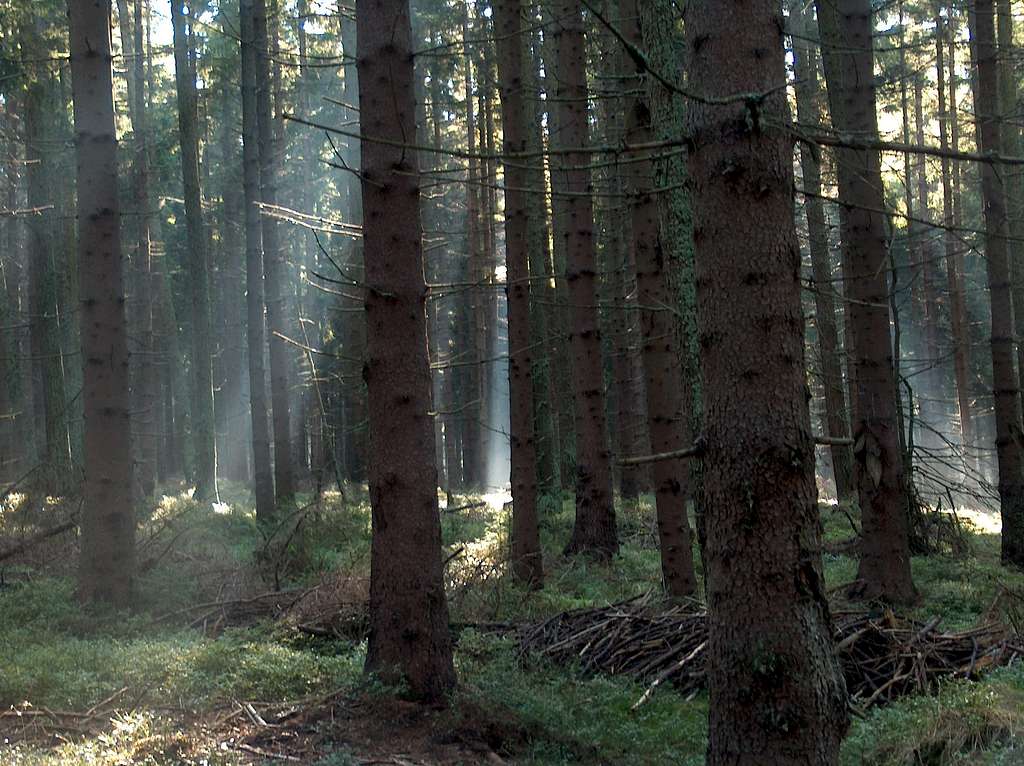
point(249, 651)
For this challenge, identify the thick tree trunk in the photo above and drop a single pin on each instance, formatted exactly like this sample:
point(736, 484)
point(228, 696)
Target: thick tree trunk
point(203, 427)
point(884, 573)
point(263, 478)
point(527, 564)
point(954, 267)
point(1006, 393)
point(808, 104)
point(594, 531)
point(107, 563)
point(667, 410)
point(409, 637)
point(776, 690)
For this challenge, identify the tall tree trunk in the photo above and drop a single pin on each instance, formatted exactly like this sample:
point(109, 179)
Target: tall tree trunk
point(929, 392)
point(44, 323)
point(594, 531)
point(107, 563)
point(409, 637)
point(562, 362)
point(667, 410)
point(476, 374)
point(808, 104)
point(203, 427)
point(954, 266)
point(546, 404)
point(1006, 393)
point(145, 387)
point(263, 478)
point(1014, 184)
point(274, 266)
point(884, 572)
point(354, 405)
point(776, 693)
point(527, 564)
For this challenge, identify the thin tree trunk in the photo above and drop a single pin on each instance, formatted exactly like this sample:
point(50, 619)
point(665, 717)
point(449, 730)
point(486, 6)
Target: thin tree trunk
point(594, 531)
point(954, 271)
point(808, 104)
point(203, 426)
point(667, 410)
point(263, 478)
point(884, 572)
point(107, 565)
point(274, 266)
point(527, 564)
point(1006, 393)
point(775, 686)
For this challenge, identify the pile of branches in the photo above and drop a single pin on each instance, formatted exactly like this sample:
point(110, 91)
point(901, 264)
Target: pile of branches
point(883, 656)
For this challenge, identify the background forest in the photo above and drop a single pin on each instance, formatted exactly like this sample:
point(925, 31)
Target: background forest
point(499, 381)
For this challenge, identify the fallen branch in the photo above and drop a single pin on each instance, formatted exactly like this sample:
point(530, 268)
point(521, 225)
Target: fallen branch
point(37, 538)
point(697, 449)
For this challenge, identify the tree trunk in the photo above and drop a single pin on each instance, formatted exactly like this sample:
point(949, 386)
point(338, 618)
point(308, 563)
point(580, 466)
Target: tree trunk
point(263, 478)
point(594, 531)
point(203, 427)
point(274, 266)
point(808, 105)
point(884, 573)
point(1014, 186)
point(776, 690)
point(107, 563)
point(1004, 378)
point(409, 637)
point(527, 564)
point(954, 267)
point(667, 411)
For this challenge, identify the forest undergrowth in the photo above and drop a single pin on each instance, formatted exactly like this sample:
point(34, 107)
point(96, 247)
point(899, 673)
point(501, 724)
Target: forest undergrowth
point(247, 648)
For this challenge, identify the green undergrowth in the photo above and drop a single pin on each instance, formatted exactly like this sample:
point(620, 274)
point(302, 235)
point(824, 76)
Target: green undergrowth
point(172, 678)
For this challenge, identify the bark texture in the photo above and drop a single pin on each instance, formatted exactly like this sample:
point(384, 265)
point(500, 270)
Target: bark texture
point(1006, 393)
point(884, 573)
point(776, 690)
point(409, 636)
point(107, 565)
point(666, 408)
point(594, 531)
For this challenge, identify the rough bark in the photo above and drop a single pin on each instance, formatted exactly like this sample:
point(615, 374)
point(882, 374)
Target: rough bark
point(667, 411)
point(776, 690)
point(594, 531)
point(527, 564)
point(263, 478)
point(1006, 393)
point(107, 564)
point(409, 637)
point(847, 55)
point(203, 426)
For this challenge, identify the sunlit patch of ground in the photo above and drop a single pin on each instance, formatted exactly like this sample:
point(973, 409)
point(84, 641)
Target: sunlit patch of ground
point(983, 522)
